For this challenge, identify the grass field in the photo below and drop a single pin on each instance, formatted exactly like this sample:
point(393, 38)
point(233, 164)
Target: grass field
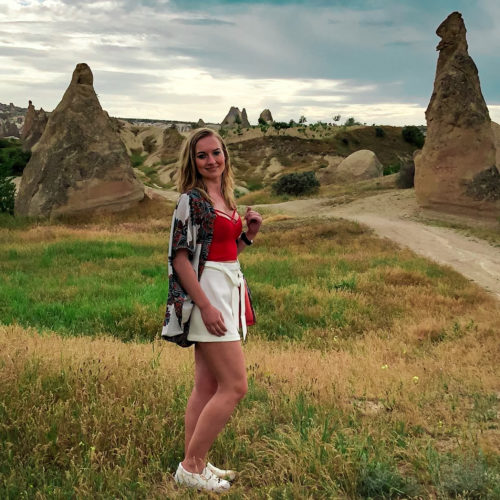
point(373, 373)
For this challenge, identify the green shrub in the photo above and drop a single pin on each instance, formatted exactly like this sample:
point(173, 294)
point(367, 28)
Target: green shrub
point(7, 194)
point(280, 126)
point(351, 121)
point(137, 159)
point(413, 135)
point(393, 168)
point(263, 127)
point(296, 184)
point(12, 158)
point(379, 132)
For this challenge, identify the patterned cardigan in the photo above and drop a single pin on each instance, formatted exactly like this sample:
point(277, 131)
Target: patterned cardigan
point(192, 229)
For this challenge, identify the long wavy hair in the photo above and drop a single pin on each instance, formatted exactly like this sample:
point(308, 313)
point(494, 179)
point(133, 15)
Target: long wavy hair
point(189, 177)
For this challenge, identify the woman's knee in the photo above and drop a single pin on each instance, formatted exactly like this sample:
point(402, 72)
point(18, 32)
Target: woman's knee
point(238, 389)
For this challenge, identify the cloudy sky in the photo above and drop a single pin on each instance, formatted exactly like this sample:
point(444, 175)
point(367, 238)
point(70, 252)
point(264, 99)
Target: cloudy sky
point(187, 59)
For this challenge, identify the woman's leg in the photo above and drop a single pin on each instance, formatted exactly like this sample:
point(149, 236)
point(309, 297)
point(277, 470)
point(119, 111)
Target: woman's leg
point(204, 388)
point(226, 363)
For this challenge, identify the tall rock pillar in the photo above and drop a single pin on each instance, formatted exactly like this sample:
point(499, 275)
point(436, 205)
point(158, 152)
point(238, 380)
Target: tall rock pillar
point(79, 164)
point(456, 169)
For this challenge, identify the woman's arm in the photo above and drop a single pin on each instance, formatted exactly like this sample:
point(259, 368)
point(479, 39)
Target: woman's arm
point(253, 220)
point(211, 316)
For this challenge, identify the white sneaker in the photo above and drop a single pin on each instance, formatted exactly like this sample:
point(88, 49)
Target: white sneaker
point(204, 481)
point(228, 475)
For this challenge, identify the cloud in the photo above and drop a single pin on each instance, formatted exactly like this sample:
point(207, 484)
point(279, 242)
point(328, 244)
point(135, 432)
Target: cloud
point(197, 58)
point(203, 22)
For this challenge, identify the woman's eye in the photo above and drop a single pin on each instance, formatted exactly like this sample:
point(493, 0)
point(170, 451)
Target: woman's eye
point(201, 156)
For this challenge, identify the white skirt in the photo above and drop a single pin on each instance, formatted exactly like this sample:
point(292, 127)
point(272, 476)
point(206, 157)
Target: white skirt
point(223, 284)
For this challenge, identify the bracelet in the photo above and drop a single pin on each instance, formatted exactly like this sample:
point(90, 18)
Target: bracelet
point(245, 239)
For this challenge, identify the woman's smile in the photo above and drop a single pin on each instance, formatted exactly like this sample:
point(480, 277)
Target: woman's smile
point(210, 160)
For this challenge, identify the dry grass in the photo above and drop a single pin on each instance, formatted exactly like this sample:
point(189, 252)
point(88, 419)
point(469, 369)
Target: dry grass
point(103, 403)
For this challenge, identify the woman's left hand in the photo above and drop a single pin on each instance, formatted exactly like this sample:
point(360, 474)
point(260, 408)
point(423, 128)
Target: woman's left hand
point(253, 220)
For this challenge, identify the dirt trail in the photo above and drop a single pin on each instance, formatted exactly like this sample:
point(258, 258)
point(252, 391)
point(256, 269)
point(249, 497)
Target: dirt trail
point(393, 215)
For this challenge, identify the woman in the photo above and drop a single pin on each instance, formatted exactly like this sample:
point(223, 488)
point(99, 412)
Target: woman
point(204, 303)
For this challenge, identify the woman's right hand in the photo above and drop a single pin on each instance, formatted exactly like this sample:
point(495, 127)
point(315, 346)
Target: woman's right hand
point(213, 320)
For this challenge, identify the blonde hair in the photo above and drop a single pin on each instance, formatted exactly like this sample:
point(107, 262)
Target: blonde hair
point(189, 177)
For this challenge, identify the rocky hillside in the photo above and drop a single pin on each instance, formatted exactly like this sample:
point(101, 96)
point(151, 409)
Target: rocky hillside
point(259, 158)
point(11, 120)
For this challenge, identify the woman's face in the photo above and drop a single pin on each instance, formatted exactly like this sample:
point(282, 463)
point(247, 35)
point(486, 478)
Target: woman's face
point(209, 157)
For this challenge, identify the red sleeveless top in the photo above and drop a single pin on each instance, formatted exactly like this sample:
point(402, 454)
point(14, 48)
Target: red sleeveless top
point(227, 230)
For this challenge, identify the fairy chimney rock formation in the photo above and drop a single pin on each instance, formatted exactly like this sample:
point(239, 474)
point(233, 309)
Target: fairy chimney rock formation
point(200, 123)
point(456, 170)
point(79, 164)
point(34, 125)
point(235, 117)
point(28, 120)
point(266, 116)
point(171, 142)
point(244, 119)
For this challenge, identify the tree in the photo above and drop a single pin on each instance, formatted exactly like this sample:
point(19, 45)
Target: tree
point(280, 125)
point(302, 120)
point(413, 135)
point(7, 194)
point(336, 118)
point(351, 121)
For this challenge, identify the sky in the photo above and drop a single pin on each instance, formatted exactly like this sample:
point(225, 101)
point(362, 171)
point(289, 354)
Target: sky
point(373, 60)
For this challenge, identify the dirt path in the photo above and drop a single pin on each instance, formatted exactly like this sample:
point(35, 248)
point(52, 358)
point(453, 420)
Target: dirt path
point(395, 215)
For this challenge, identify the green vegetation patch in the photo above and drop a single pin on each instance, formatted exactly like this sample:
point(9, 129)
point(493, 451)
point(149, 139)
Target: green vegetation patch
point(85, 287)
point(12, 157)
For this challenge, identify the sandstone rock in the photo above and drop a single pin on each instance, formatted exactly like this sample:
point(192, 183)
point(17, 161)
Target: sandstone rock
point(244, 119)
point(328, 175)
point(28, 120)
point(457, 162)
point(266, 116)
point(200, 123)
point(79, 164)
point(34, 125)
point(235, 117)
point(496, 136)
point(8, 129)
point(241, 190)
point(172, 141)
point(360, 165)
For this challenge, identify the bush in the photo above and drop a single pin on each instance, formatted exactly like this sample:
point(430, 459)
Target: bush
point(379, 132)
point(137, 159)
point(406, 178)
point(296, 184)
point(7, 194)
point(280, 126)
point(12, 158)
point(393, 168)
point(413, 135)
point(351, 121)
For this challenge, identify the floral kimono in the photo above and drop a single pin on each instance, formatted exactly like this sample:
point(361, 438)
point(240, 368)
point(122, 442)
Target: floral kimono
point(192, 229)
